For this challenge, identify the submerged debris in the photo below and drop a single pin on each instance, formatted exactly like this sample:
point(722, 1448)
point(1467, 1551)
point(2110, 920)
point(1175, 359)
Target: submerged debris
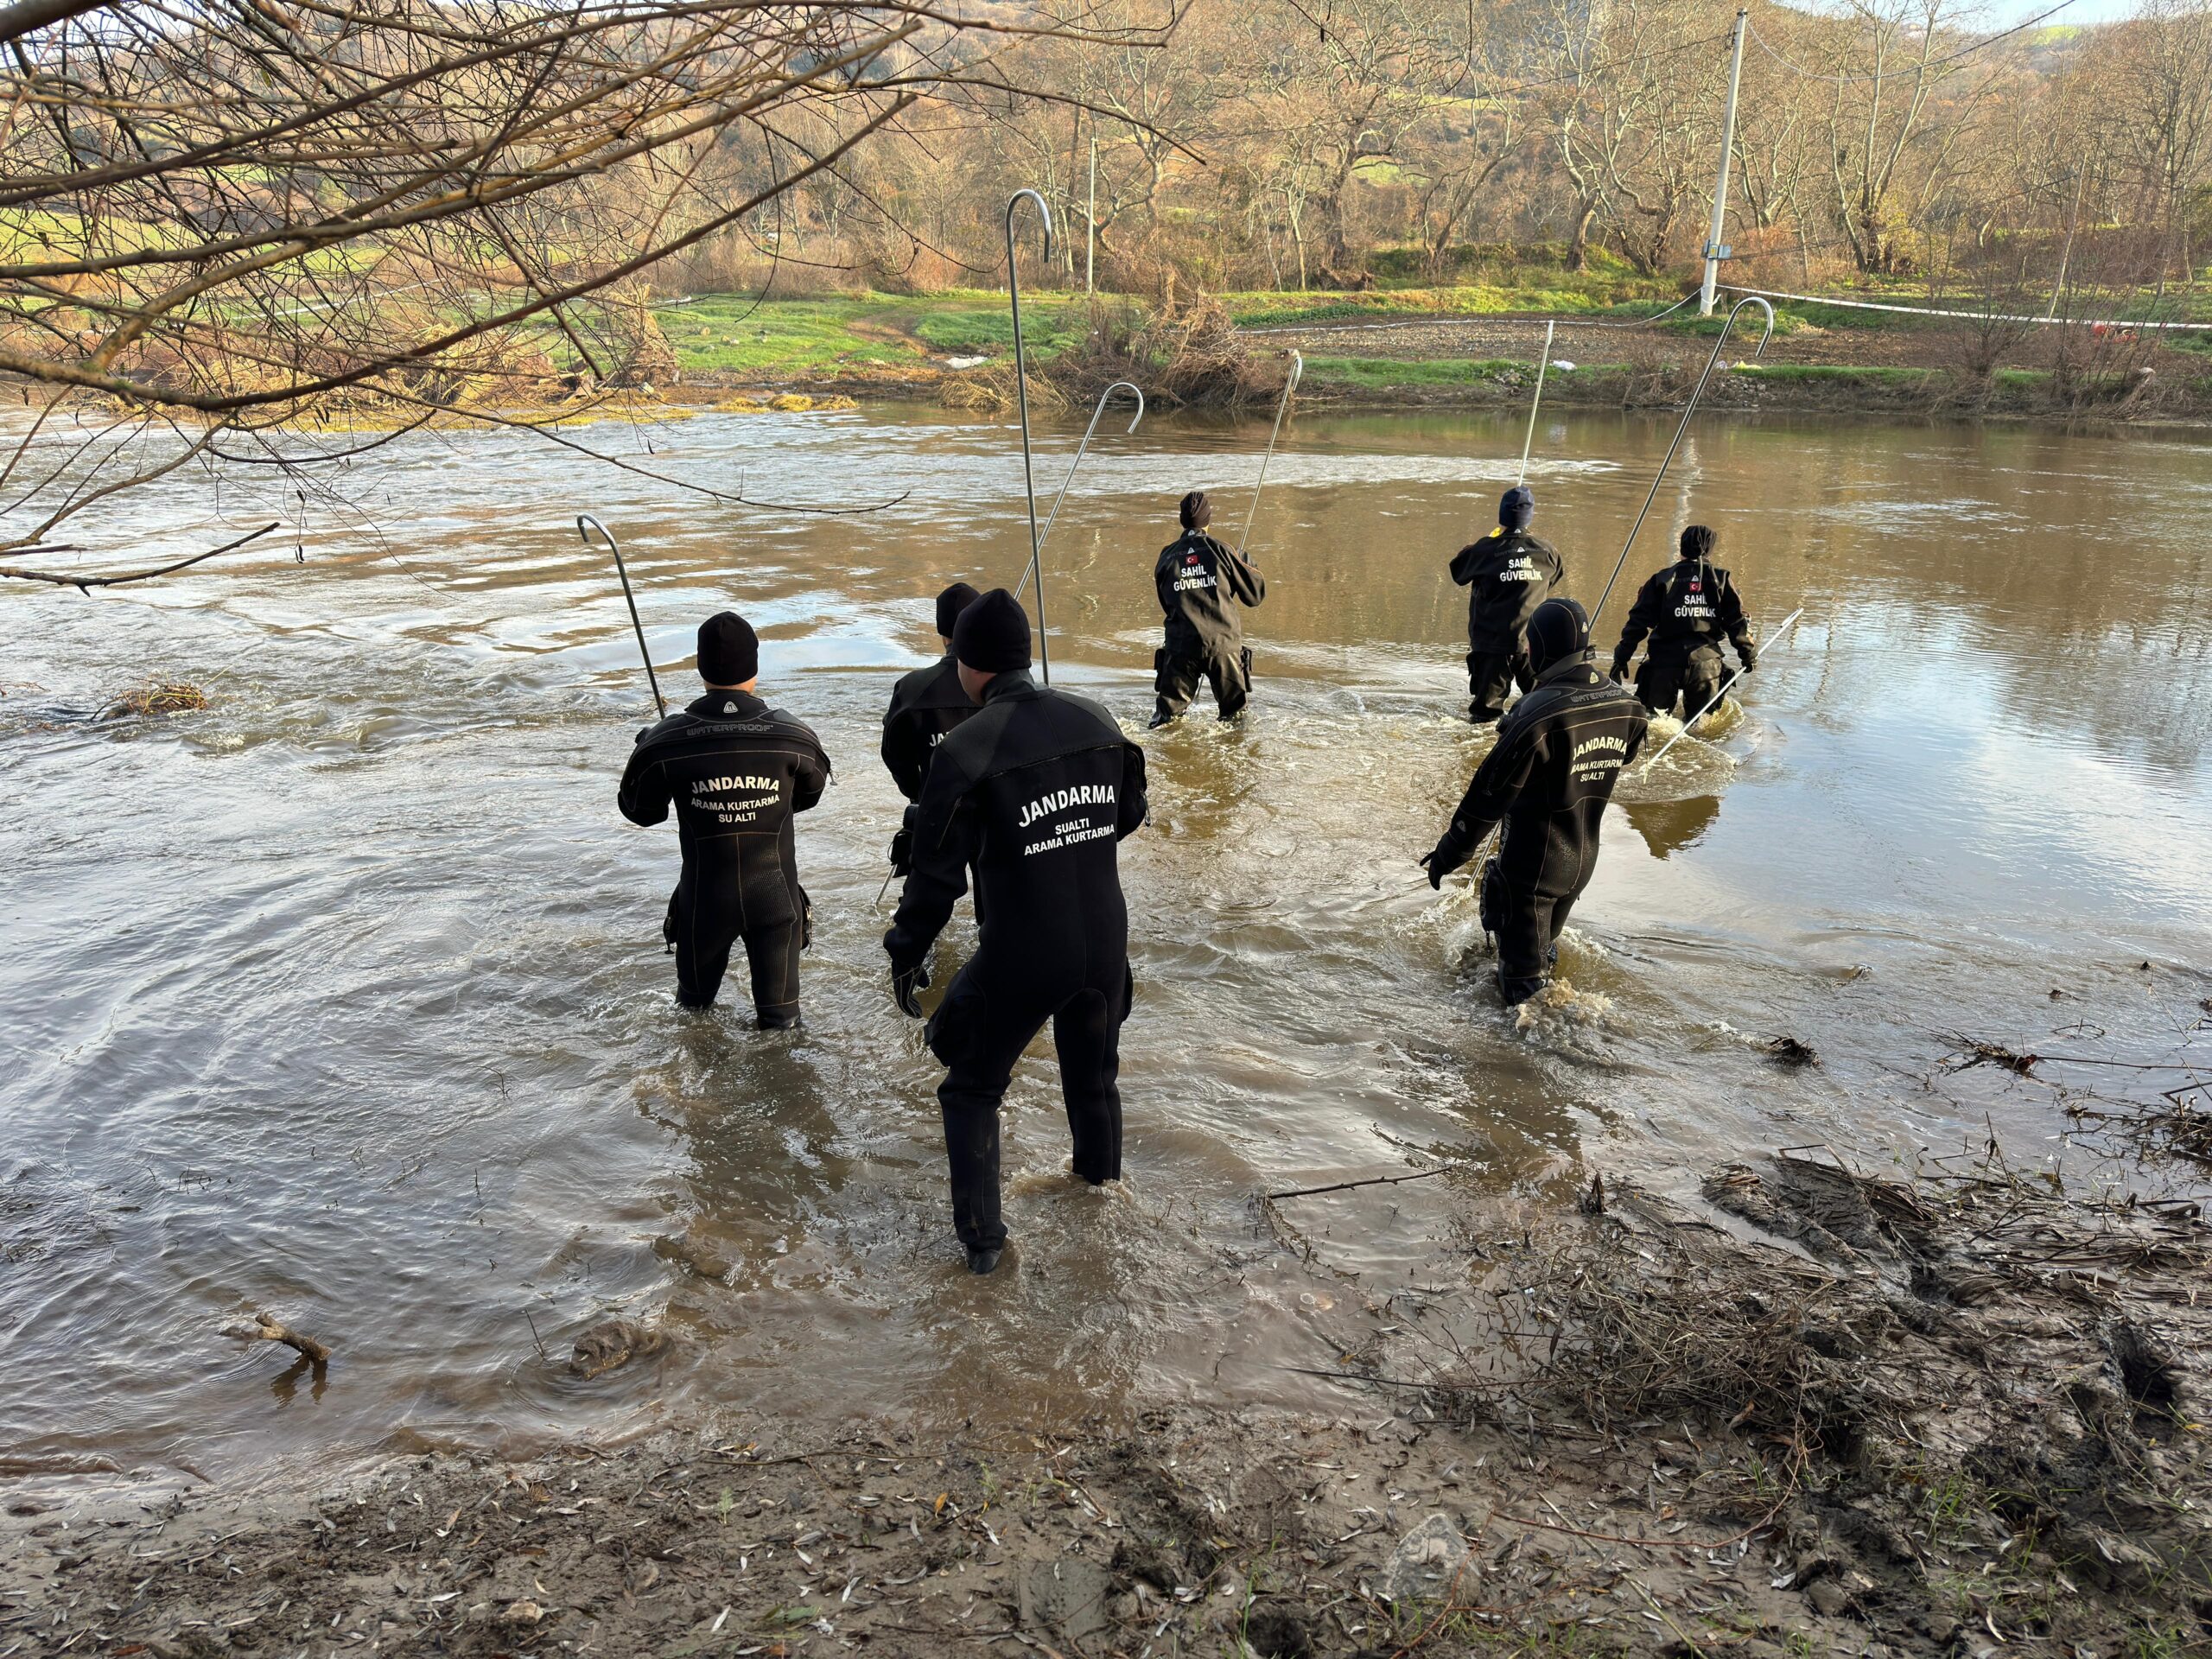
point(1981, 1053)
point(612, 1344)
point(154, 697)
point(266, 1327)
point(1788, 1050)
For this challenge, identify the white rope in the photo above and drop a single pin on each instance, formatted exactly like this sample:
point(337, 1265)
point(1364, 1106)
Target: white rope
point(1972, 316)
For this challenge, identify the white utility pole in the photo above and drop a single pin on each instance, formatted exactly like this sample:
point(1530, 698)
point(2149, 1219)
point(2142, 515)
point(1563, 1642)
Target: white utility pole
point(1091, 223)
point(1715, 252)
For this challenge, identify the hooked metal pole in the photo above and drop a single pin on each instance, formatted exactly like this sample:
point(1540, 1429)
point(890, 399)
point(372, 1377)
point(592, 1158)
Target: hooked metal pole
point(1788, 623)
point(585, 524)
point(1021, 398)
point(1529, 442)
point(1297, 372)
point(1052, 518)
point(1688, 409)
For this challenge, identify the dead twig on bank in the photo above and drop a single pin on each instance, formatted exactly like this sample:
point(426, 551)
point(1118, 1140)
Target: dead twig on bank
point(1372, 1180)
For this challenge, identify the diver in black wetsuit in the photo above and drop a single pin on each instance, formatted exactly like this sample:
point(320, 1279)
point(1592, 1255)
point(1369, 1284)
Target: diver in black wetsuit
point(736, 770)
point(1558, 754)
point(1200, 583)
point(1686, 609)
point(1035, 792)
point(925, 706)
point(1508, 573)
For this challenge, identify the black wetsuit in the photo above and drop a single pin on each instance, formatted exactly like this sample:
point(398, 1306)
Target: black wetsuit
point(1508, 573)
point(1201, 584)
point(1687, 609)
point(736, 770)
point(926, 705)
point(1558, 754)
point(1034, 793)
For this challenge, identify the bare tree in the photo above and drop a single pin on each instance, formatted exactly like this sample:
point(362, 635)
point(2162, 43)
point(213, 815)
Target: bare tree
point(251, 214)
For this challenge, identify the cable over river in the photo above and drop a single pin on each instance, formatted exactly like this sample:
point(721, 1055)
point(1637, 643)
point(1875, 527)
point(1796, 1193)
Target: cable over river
point(344, 997)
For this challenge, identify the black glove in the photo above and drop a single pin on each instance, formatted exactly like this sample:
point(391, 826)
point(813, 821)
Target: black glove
point(1619, 671)
point(1748, 654)
point(910, 976)
point(908, 987)
point(902, 854)
point(1448, 855)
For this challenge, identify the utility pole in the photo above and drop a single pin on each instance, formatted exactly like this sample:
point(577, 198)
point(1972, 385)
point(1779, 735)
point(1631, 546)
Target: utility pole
point(1715, 252)
point(1091, 224)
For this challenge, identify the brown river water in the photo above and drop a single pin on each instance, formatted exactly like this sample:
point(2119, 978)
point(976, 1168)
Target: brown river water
point(344, 997)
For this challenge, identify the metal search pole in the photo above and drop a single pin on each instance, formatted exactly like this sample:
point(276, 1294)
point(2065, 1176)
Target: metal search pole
point(1021, 398)
point(1788, 623)
point(1529, 442)
point(1688, 409)
point(585, 524)
point(1282, 408)
point(1052, 518)
point(1715, 252)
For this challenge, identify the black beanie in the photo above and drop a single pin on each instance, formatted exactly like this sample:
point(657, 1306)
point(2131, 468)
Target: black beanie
point(1197, 511)
point(1559, 628)
point(729, 652)
point(1697, 542)
point(992, 635)
point(1517, 507)
point(950, 603)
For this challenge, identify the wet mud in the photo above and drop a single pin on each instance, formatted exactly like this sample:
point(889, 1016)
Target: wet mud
point(1812, 1411)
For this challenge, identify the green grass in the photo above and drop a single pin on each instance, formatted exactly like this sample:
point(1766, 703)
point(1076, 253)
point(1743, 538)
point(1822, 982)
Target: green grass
point(1555, 291)
point(1379, 373)
point(1844, 374)
point(734, 333)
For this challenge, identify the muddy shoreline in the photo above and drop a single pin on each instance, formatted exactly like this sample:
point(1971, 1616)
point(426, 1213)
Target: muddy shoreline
point(1817, 1411)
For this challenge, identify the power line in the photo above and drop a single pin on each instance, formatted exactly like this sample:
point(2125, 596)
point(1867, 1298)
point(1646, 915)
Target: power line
point(1917, 68)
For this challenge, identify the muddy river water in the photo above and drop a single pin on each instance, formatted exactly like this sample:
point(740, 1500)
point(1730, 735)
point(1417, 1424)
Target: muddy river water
point(344, 997)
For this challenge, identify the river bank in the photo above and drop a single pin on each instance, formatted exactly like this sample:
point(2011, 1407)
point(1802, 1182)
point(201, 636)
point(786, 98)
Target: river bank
point(1817, 1412)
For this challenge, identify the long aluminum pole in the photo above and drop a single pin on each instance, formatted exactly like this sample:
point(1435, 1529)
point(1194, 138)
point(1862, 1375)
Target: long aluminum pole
point(1090, 225)
point(1021, 398)
point(1536, 403)
point(1282, 408)
point(1052, 518)
point(585, 524)
point(1688, 409)
point(1720, 188)
point(1774, 643)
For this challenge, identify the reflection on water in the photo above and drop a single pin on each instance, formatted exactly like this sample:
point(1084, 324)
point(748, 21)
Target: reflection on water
point(346, 997)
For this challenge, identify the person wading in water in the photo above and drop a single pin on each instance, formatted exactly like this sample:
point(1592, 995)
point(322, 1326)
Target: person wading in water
point(1686, 609)
point(1507, 574)
point(1035, 792)
point(925, 706)
point(736, 770)
point(1201, 584)
point(1558, 756)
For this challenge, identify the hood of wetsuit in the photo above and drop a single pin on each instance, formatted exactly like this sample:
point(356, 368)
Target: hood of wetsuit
point(1697, 542)
point(729, 652)
point(1559, 628)
point(993, 634)
point(950, 603)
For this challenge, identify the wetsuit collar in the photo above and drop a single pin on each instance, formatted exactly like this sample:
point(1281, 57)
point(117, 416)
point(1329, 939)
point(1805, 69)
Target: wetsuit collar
point(1014, 682)
point(1574, 659)
point(719, 705)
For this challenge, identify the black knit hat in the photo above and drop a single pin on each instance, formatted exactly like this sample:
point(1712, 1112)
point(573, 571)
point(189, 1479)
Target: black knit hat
point(1516, 507)
point(1196, 511)
point(729, 652)
point(992, 635)
point(1559, 628)
point(950, 603)
point(1697, 542)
